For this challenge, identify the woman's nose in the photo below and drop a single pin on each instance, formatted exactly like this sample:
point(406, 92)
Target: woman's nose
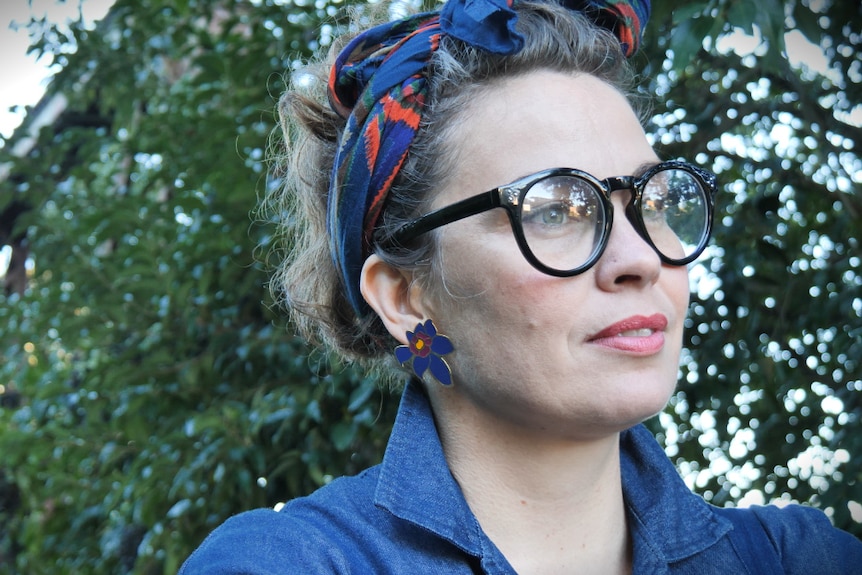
point(628, 260)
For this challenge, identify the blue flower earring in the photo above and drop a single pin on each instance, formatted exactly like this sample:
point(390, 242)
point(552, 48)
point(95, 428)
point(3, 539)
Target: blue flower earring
point(423, 351)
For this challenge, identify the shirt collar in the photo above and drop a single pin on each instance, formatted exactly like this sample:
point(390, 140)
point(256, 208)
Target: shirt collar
point(415, 484)
point(663, 512)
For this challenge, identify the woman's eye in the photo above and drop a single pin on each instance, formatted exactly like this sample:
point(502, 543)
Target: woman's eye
point(547, 214)
point(560, 204)
point(553, 214)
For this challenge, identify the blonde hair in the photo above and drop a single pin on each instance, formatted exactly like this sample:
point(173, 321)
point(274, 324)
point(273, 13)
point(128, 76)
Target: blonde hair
point(305, 279)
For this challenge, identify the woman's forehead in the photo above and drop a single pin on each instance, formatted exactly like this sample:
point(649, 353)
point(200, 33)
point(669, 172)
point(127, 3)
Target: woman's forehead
point(543, 120)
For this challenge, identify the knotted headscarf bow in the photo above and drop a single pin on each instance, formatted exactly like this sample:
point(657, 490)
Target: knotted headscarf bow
point(378, 85)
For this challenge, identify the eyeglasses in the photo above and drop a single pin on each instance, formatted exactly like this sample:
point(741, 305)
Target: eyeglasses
point(562, 217)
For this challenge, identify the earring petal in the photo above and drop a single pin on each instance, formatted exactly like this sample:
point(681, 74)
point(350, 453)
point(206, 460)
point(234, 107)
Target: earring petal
point(440, 370)
point(429, 328)
point(403, 354)
point(442, 345)
point(420, 364)
point(423, 351)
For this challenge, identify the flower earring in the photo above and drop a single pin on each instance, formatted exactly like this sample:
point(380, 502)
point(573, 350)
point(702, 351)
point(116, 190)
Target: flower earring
point(423, 351)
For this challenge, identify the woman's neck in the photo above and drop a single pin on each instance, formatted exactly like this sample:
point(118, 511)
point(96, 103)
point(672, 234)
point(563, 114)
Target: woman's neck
point(550, 505)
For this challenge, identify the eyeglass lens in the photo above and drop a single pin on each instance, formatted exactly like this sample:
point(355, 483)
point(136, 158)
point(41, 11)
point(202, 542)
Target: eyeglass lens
point(564, 217)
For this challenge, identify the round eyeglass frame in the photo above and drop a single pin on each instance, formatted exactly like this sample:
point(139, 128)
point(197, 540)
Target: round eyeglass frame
point(510, 197)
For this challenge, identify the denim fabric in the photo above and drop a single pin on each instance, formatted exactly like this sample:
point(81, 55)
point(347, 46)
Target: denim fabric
point(408, 516)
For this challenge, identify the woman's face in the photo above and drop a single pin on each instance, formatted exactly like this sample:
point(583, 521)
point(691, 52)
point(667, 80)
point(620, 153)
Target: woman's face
point(580, 356)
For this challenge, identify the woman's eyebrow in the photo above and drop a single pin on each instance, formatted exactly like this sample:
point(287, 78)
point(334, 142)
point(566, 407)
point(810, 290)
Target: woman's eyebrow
point(645, 167)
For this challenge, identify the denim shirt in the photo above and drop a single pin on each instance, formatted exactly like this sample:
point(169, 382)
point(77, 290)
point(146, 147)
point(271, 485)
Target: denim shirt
point(409, 516)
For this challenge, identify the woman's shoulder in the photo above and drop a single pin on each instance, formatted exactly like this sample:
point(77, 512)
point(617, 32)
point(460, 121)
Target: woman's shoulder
point(312, 534)
point(803, 538)
point(794, 524)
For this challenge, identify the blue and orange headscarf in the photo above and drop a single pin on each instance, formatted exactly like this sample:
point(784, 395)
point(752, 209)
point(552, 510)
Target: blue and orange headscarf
point(378, 85)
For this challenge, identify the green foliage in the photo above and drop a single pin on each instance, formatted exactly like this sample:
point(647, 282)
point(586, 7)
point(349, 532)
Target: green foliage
point(149, 391)
point(770, 394)
point(159, 392)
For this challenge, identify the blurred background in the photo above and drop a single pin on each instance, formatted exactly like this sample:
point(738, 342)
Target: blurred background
point(149, 388)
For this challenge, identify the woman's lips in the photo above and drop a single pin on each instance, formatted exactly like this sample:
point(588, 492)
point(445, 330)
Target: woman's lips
point(636, 334)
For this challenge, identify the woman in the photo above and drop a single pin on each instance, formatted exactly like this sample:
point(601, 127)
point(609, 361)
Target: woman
point(481, 173)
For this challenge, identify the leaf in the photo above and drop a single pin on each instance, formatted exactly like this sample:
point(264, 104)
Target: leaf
point(742, 14)
point(360, 395)
point(178, 509)
point(807, 22)
point(342, 435)
point(687, 40)
point(688, 12)
point(770, 18)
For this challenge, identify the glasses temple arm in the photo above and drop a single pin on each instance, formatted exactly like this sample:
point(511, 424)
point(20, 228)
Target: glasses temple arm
point(452, 213)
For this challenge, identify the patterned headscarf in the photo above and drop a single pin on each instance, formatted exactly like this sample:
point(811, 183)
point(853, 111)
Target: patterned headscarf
point(378, 85)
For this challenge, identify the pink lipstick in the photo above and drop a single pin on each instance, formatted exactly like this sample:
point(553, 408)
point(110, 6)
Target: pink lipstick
point(643, 335)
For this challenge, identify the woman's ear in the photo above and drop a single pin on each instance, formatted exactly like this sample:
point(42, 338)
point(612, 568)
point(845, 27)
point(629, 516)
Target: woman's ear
point(391, 293)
